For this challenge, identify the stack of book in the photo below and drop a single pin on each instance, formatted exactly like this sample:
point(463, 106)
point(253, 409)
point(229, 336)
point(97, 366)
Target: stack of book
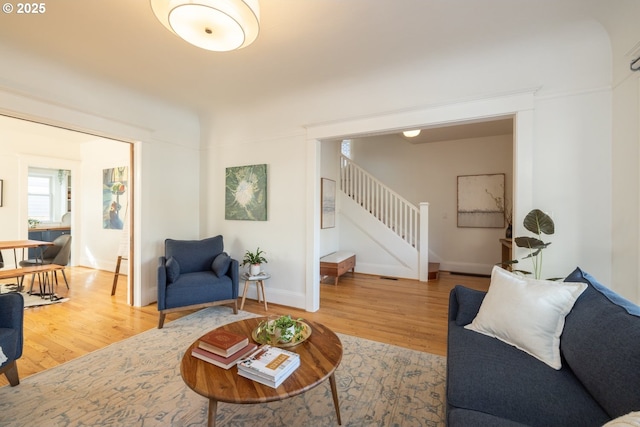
point(223, 348)
point(269, 365)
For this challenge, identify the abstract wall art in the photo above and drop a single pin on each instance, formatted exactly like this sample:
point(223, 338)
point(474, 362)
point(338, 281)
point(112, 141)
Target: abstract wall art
point(481, 201)
point(246, 193)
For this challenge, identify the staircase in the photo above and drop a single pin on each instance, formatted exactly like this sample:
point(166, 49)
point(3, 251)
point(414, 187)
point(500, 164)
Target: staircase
point(390, 222)
point(384, 204)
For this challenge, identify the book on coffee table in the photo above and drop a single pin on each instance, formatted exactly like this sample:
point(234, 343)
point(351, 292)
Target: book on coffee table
point(223, 362)
point(223, 343)
point(269, 365)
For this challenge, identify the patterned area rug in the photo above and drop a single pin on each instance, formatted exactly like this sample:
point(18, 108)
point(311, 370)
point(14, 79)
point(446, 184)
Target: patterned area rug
point(31, 300)
point(136, 382)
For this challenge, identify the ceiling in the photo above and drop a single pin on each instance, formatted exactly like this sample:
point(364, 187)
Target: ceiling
point(464, 131)
point(301, 42)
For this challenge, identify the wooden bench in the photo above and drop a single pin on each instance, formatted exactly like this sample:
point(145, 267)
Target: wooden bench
point(337, 263)
point(19, 273)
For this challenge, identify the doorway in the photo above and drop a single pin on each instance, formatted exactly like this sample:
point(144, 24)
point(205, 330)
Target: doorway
point(520, 106)
point(84, 158)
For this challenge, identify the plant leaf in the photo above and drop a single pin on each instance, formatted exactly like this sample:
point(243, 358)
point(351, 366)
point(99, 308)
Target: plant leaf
point(539, 222)
point(530, 243)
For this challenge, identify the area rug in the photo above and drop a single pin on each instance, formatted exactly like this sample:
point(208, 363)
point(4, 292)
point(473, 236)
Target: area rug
point(31, 300)
point(136, 382)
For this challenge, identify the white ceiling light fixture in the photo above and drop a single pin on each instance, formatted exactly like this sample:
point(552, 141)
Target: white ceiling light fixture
point(411, 133)
point(217, 25)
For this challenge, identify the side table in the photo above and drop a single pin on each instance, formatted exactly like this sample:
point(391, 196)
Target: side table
point(259, 279)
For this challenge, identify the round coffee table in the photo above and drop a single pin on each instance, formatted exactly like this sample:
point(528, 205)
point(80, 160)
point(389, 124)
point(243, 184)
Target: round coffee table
point(320, 355)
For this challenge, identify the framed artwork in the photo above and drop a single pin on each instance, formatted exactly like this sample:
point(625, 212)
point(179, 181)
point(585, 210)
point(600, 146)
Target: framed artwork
point(1, 192)
point(246, 193)
point(328, 196)
point(115, 197)
point(481, 201)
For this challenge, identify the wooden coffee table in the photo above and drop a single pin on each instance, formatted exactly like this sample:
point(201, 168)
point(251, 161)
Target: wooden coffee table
point(320, 355)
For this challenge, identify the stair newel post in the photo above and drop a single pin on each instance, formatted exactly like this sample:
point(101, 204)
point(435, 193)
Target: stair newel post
point(424, 242)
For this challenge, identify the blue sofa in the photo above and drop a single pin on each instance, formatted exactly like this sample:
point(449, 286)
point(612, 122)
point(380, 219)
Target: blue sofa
point(11, 334)
point(195, 274)
point(491, 383)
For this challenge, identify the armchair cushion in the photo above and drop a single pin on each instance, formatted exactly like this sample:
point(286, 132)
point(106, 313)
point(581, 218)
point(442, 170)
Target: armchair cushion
point(194, 255)
point(221, 264)
point(173, 270)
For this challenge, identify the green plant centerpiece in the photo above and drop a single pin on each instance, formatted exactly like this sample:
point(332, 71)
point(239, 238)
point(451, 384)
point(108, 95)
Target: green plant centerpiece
point(282, 331)
point(538, 223)
point(254, 260)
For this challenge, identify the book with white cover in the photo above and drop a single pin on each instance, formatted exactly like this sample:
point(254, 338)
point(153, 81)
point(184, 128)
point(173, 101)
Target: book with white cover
point(267, 381)
point(270, 362)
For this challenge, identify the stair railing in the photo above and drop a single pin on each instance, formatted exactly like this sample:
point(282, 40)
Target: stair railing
point(387, 206)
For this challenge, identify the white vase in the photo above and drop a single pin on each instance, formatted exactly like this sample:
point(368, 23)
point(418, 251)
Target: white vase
point(254, 270)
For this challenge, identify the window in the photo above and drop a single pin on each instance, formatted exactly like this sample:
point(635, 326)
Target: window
point(47, 193)
point(345, 148)
point(40, 198)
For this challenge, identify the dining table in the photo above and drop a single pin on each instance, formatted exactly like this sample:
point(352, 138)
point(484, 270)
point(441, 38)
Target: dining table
point(23, 244)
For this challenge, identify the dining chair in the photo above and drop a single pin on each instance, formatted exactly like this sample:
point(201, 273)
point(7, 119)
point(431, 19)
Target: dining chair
point(59, 253)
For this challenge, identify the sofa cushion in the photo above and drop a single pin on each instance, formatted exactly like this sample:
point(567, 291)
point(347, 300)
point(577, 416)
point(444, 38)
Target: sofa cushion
point(194, 255)
point(173, 269)
point(601, 344)
point(467, 418)
point(220, 264)
point(527, 313)
point(487, 375)
point(469, 301)
point(195, 288)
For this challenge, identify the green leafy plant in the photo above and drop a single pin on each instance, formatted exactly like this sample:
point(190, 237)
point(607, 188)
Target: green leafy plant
point(284, 329)
point(538, 223)
point(253, 258)
point(33, 222)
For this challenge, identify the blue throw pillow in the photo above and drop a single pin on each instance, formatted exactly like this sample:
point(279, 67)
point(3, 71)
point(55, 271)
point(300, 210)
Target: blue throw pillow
point(469, 301)
point(173, 270)
point(220, 264)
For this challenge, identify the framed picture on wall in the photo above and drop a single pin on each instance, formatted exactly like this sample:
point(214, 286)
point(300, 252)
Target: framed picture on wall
point(1, 191)
point(246, 193)
point(328, 195)
point(481, 201)
point(115, 198)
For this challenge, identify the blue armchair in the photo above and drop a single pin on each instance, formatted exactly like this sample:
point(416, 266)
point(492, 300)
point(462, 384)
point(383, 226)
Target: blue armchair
point(195, 274)
point(11, 334)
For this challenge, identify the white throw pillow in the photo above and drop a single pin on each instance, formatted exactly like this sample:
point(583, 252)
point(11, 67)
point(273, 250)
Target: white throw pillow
point(632, 419)
point(527, 313)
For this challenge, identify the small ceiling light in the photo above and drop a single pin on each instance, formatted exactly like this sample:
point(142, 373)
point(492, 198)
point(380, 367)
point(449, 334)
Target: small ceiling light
point(411, 133)
point(218, 25)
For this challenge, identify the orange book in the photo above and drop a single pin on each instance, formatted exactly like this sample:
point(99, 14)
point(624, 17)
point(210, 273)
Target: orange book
point(222, 342)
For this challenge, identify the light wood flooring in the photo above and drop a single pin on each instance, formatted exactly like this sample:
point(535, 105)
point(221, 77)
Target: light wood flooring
point(402, 312)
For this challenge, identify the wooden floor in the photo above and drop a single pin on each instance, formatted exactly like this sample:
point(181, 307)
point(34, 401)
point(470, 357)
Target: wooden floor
point(403, 312)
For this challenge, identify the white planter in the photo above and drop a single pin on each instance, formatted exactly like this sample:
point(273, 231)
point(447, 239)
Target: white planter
point(254, 269)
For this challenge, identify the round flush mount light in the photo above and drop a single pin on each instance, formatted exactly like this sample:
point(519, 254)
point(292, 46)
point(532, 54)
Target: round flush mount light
point(411, 133)
point(217, 25)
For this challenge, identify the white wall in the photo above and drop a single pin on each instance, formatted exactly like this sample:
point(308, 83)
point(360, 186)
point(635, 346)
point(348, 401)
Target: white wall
point(99, 246)
point(569, 66)
point(282, 235)
point(330, 169)
point(428, 173)
point(166, 139)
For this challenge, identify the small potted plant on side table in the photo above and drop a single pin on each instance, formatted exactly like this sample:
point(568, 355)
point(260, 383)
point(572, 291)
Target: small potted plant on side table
point(254, 259)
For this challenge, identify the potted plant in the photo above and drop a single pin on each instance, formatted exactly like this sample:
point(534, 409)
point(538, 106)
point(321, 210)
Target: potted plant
point(282, 329)
point(254, 259)
point(538, 223)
